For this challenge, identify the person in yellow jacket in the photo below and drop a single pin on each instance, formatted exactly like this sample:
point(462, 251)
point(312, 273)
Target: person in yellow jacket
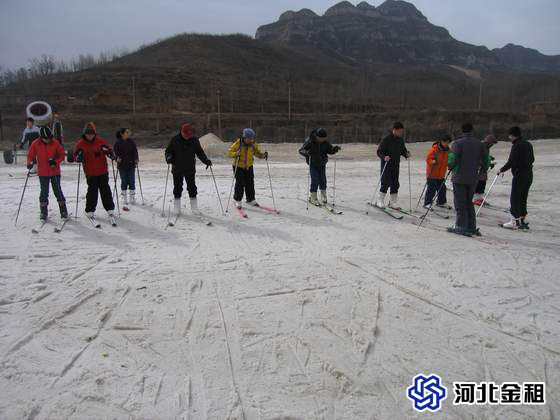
point(242, 152)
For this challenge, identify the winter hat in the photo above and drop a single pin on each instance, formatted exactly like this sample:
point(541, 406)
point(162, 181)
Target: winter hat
point(45, 133)
point(249, 133)
point(321, 132)
point(490, 140)
point(467, 128)
point(446, 138)
point(515, 132)
point(186, 131)
point(90, 128)
point(398, 125)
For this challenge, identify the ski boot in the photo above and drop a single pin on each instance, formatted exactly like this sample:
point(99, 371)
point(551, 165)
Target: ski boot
point(194, 206)
point(393, 202)
point(381, 200)
point(132, 196)
point(63, 210)
point(313, 199)
point(459, 231)
point(513, 224)
point(177, 206)
point(444, 206)
point(324, 196)
point(253, 203)
point(238, 204)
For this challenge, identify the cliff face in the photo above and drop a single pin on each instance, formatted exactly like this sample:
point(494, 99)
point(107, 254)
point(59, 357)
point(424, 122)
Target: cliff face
point(395, 32)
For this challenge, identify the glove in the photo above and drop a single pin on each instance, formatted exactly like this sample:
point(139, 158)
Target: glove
point(169, 158)
point(111, 155)
point(387, 158)
point(107, 152)
point(52, 162)
point(80, 156)
point(434, 162)
point(21, 145)
point(208, 164)
point(265, 155)
point(492, 165)
point(336, 149)
point(30, 166)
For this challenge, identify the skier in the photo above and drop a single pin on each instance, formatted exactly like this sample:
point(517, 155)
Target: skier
point(30, 133)
point(57, 130)
point(243, 151)
point(92, 151)
point(390, 151)
point(181, 153)
point(520, 162)
point(488, 142)
point(467, 155)
point(436, 168)
point(126, 153)
point(48, 155)
point(315, 150)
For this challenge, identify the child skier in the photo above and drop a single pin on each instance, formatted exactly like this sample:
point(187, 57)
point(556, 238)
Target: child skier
point(520, 162)
point(390, 151)
point(92, 151)
point(243, 151)
point(315, 150)
point(126, 153)
point(488, 142)
point(436, 168)
point(48, 154)
point(181, 153)
point(30, 133)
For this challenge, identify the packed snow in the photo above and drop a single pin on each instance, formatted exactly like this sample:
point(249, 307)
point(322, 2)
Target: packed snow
point(300, 315)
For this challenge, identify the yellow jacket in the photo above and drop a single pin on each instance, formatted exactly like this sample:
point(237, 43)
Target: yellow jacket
point(247, 154)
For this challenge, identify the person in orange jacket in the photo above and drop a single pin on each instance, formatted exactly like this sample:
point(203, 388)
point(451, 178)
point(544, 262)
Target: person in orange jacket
point(92, 151)
point(48, 155)
point(436, 168)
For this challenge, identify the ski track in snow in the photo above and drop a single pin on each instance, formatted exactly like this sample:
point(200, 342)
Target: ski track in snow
point(304, 314)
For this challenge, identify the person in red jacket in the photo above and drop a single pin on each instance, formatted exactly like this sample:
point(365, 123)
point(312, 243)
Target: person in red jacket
point(48, 155)
point(92, 151)
point(436, 168)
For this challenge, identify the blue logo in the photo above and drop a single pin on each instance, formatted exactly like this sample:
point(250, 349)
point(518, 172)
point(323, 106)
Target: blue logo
point(427, 392)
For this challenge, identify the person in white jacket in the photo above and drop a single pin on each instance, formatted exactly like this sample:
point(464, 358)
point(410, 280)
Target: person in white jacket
point(30, 133)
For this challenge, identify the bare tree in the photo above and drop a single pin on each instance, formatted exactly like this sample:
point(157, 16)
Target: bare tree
point(43, 66)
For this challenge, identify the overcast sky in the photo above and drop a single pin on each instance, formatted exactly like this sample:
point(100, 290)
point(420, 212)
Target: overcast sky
point(66, 28)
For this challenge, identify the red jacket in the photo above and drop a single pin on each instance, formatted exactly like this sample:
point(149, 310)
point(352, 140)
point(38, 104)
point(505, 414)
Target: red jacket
point(95, 160)
point(41, 152)
point(440, 155)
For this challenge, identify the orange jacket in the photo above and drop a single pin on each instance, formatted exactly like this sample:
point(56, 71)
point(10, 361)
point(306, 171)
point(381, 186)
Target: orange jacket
point(440, 154)
point(41, 152)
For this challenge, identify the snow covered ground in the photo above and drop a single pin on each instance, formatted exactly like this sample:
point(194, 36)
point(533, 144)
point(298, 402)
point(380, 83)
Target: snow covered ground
point(299, 315)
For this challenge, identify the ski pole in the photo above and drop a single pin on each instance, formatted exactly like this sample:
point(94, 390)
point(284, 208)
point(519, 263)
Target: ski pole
point(270, 181)
point(22, 193)
point(423, 218)
point(165, 191)
point(309, 183)
point(409, 185)
point(78, 189)
point(374, 196)
point(334, 184)
point(234, 176)
point(115, 189)
point(115, 179)
point(487, 194)
point(421, 195)
point(217, 192)
point(140, 185)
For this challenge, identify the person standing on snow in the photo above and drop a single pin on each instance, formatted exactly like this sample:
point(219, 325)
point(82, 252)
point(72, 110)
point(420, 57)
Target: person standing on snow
point(243, 151)
point(92, 151)
point(48, 154)
point(30, 133)
point(57, 130)
point(126, 153)
point(181, 153)
point(488, 142)
point(467, 156)
point(436, 168)
point(521, 159)
point(390, 151)
point(315, 150)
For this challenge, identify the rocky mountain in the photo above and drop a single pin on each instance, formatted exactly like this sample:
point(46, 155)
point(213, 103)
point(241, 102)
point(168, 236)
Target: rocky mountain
point(393, 33)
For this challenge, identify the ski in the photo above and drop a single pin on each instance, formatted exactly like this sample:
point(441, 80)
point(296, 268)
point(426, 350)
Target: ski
point(242, 212)
point(387, 212)
point(437, 213)
point(268, 209)
point(58, 228)
point(519, 229)
point(38, 229)
point(328, 208)
point(200, 217)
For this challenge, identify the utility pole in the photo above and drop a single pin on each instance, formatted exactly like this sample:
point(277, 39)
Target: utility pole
point(219, 113)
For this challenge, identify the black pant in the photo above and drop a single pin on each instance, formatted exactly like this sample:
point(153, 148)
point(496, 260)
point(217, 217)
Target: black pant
point(390, 178)
point(45, 182)
point(178, 184)
point(433, 186)
point(128, 178)
point(99, 184)
point(466, 215)
point(519, 193)
point(318, 178)
point(480, 187)
point(244, 183)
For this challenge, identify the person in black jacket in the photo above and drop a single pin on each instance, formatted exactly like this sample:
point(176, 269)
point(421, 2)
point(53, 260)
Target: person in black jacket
point(390, 151)
point(126, 152)
point(315, 150)
point(521, 159)
point(181, 153)
point(57, 129)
